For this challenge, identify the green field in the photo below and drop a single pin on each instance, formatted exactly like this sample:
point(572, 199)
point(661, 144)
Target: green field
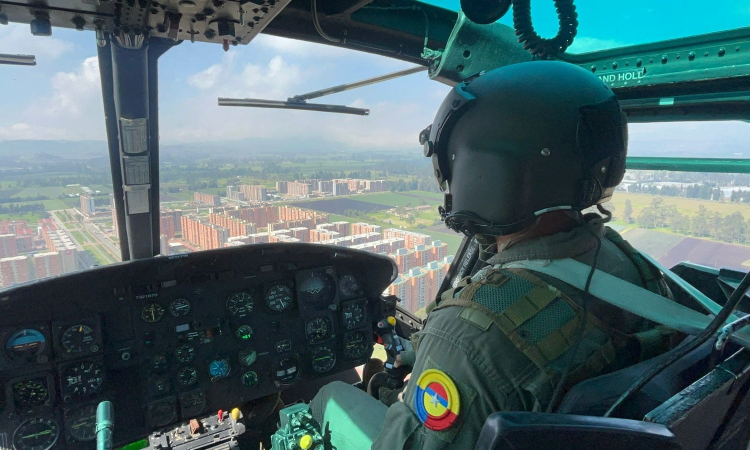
point(409, 198)
point(687, 206)
point(79, 237)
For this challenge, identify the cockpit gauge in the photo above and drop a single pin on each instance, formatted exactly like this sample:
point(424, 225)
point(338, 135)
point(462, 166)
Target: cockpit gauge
point(247, 357)
point(355, 344)
point(250, 379)
point(81, 423)
point(219, 368)
point(316, 287)
point(26, 343)
point(39, 433)
point(185, 353)
point(82, 379)
point(349, 286)
point(240, 305)
point(158, 364)
point(244, 333)
point(323, 359)
point(179, 307)
point(192, 403)
point(30, 393)
point(152, 313)
point(79, 339)
point(187, 376)
point(286, 371)
point(161, 413)
point(318, 329)
point(279, 298)
point(353, 314)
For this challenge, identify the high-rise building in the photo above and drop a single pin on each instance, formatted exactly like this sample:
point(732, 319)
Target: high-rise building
point(254, 193)
point(325, 187)
point(16, 269)
point(176, 218)
point(410, 238)
point(200, 232)
point(362, 227)
point(340, 188)
point(419, 286)
point(8, 245)
point(207, 199)
point(166, 225)
point(235, 225)
point(281, 187)
point(88, 207)
point(47, 264)
point(163, 245)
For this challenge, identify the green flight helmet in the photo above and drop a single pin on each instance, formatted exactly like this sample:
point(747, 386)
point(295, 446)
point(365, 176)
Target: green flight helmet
point(522, 140)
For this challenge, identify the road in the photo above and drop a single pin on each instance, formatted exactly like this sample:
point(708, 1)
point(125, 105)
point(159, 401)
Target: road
point(106, 242)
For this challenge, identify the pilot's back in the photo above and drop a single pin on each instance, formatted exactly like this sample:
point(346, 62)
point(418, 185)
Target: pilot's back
point(501, 341)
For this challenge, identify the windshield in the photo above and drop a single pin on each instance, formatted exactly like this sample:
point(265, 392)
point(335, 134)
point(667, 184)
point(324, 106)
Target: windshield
point(603, 25)
point(242, 176)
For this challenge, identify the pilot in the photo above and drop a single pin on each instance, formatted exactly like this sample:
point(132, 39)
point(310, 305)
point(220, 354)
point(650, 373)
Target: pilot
point(520, 152)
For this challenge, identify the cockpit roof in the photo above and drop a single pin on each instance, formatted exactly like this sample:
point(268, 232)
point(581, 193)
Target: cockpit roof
point(604, 25)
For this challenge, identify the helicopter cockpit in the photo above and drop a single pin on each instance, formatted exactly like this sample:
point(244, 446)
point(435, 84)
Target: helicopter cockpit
point(204, 350)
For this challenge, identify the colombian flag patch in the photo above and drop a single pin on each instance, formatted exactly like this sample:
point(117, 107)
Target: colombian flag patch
point(436, 400)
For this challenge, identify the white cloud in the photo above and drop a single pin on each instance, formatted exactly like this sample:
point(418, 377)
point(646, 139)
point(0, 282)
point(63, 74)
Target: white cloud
point(73, 109)
point(205, 79)
point(17, 39)
point(73, 91)
point(299, 48)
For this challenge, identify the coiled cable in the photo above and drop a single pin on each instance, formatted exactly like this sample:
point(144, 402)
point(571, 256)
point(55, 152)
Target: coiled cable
point(540, 47)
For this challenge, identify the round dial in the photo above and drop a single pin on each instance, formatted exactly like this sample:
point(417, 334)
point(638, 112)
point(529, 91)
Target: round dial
point(158, 364)
point(79, 339)
point(250, 379)
point(323, 359)
point(160, 414)
point(318, 329)
point(84, 378)
point(240, 305)
point(185, 353)
point(316, 288)
point(81, 423)
point(285, 371)
point(40, 433)
point(349, 286)
point(25, 343)
point(279, 298)
point(30, 393)
point(152, 313)
point(244, 333)
point(247, 357)
point(219, 368)
point(355, 344)
point(187, 376)
point(179, 307)
point(353, 314)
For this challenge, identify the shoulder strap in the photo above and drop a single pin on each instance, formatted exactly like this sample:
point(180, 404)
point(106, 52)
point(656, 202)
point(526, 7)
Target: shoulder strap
point(632, 298)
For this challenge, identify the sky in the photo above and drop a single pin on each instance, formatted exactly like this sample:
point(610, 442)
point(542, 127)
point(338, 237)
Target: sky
point(60, 98)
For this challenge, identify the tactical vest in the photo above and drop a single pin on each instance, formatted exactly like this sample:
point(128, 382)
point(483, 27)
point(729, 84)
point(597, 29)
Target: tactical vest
point(525, 308)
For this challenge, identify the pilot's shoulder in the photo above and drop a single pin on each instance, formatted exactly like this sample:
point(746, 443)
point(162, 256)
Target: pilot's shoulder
point(498, 288)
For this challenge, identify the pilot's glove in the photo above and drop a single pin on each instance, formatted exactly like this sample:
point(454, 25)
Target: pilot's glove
point(407, 357)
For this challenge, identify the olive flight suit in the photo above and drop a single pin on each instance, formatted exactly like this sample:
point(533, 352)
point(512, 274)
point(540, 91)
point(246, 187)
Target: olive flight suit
point(502, 338)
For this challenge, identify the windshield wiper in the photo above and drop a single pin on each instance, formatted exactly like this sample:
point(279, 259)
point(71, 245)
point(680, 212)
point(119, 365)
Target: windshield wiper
point(18, 60)
point(300, 101)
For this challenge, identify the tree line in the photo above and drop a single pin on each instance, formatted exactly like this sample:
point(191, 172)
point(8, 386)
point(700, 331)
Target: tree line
point(731, 228)
point(700, 191)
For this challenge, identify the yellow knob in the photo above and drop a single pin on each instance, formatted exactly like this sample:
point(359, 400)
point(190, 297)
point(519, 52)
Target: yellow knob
point(235, 413)
point(392, 321)
point(305, 442)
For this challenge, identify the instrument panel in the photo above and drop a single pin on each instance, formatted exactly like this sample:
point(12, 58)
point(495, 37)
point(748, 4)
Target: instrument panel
point(171, 338)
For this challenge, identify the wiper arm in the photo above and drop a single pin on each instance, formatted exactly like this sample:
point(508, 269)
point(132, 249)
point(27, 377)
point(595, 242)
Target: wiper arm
point(300, 101)
point(18, 60)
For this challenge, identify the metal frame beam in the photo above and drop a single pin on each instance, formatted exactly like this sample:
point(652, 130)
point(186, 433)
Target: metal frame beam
point(129, 74)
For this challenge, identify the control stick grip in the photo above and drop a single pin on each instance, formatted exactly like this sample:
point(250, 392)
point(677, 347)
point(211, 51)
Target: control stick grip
point(105, 424)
